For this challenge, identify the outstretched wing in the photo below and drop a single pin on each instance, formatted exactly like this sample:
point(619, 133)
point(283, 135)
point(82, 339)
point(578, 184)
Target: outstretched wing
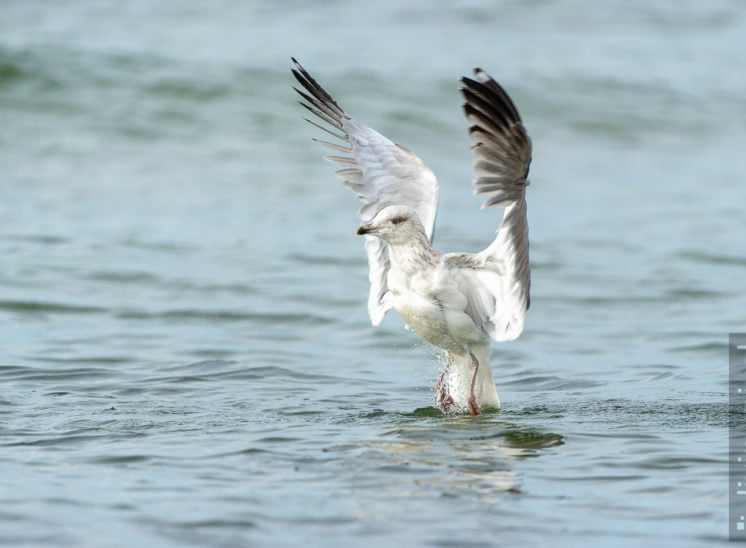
point(497, 280)
point(380, 172)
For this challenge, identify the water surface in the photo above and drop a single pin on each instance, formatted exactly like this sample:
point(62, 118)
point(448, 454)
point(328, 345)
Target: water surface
point(185, 355)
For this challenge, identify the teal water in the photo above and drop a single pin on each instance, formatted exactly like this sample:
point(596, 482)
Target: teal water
point(185, 355)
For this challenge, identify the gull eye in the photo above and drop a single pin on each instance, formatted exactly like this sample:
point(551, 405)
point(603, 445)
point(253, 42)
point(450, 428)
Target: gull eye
point(397, 220)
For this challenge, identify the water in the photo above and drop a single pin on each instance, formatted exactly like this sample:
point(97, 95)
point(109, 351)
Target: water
point(186, 357)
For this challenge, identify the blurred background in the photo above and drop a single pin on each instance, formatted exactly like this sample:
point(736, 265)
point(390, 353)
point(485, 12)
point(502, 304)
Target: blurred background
point(185, 353)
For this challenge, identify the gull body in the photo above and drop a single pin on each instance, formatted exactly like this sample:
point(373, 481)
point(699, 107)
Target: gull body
point(427, 291)
point(456, 301)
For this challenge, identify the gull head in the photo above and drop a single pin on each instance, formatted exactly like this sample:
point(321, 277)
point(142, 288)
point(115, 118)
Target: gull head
point(394, 224)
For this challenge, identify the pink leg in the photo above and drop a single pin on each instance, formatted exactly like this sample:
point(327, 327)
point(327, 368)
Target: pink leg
point(474, 408)
point(441, 387)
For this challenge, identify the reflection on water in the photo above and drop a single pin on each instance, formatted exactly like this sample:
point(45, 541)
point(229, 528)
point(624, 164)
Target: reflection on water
point(457, 456)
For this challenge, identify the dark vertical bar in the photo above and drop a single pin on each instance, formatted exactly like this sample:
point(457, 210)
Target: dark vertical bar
point(737, 436)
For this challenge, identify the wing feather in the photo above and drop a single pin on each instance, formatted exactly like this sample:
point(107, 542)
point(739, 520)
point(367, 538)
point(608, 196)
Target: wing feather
point(497, 281)
point(499, 142)
point(379, 171)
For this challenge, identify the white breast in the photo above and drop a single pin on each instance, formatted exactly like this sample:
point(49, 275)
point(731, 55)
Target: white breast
point(430, 303)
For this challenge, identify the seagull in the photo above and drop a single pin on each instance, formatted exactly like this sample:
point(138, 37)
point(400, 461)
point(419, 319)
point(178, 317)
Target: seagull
point(455, 301)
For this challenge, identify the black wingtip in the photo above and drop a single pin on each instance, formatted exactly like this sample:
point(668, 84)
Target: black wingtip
point(469, 82)
point(489, 90)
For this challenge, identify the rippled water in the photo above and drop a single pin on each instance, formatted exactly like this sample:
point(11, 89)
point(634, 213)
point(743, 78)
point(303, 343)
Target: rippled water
point(185, 356)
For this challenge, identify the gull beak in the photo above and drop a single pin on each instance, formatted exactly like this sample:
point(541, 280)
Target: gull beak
point(367, 229)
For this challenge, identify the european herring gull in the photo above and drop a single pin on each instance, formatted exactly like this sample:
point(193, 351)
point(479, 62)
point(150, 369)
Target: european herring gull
point(454, 301)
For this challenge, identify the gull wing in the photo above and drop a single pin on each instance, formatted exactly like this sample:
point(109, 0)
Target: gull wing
point(497, 280)
point(379, 171)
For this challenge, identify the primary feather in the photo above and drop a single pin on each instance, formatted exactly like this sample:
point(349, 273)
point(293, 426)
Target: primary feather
point(380, 172)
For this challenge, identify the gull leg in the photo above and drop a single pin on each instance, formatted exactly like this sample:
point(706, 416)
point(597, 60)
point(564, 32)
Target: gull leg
point(441, 387)
point(439, 384)
point(474, 408)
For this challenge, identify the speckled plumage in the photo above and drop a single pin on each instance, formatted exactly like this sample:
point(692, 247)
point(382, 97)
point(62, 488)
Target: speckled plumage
point(457, 301)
